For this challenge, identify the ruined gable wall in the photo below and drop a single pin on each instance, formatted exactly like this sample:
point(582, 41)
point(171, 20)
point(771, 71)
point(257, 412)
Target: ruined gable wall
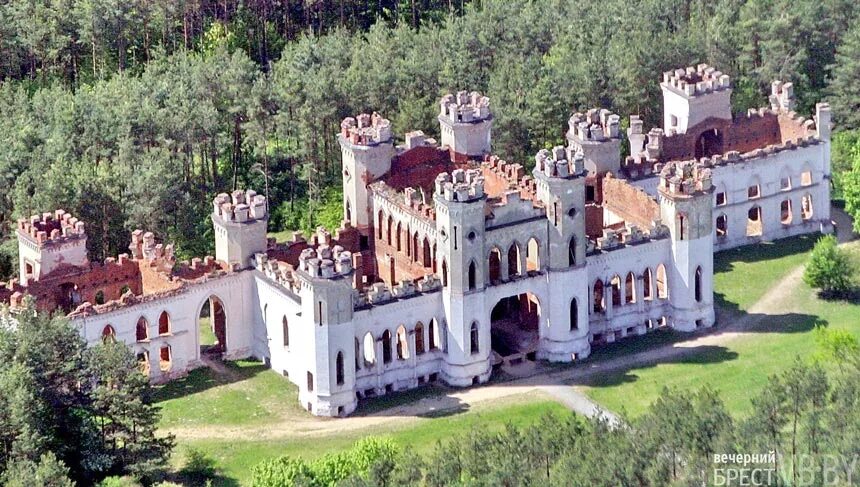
point(629, 203)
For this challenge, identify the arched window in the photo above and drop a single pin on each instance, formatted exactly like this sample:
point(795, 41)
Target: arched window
point(785, 213)
point(682, 226)
point(615, 283)
point(427, 257)
point(386, 347)
point(444, 273)
point(646, 285)
point(722, 225)
point(806, 207)
point(165, 358)
point(357, 354)
point(630, 288)
point(164, 323)
point(754, 222)
point(369, 350)
point(495, 265)
point(514, 260)
point(472, 275)
point(473, 339)
point(574, 315)
point(415, 246)
point(397, 236)
point(339, 368)
point(419, 338)
point(380, 221)
point(142, 329)
point(402, 343)
point(433, 337)
point(286, 328)
point(533, 255)
point(598, 304)
point(348, 211)
point(571, 251)
point(100, 297)
point(699, 284)
point(388, 229)
point(662, 289)
point(108, 334)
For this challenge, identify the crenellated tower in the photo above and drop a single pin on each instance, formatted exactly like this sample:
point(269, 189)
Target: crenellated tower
point(596, 134)
point(49, 241)
point(460, 203)
point(465, 123)
point(693, 95)
point(686, 207)
point(367, 146)
point(240, 221)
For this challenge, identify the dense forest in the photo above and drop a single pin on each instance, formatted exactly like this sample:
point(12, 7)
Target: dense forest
point(802, 429)
point(133, 114)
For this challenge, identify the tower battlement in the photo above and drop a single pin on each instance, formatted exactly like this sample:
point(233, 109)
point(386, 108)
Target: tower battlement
point(781, 96)
point(240, 206)
point(365, 129)
point(696, 81)
point(465, 107)
point(143, 246)
point(460, 185)
point(326, 262)
point(51, 228)
point(685, 178)
point(555, 163)
point(596, 125)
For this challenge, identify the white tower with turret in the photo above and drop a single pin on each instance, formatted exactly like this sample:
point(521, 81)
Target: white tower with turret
point(367, 147)
point(460, 202)
point(465, 123)
point(693, 95)
point(240, 220)
point(596, 134)
point(686, 207)
point(560, 181)
point(49, 241)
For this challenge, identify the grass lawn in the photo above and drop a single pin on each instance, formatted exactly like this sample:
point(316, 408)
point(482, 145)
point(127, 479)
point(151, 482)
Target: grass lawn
point(740, 368)
point(235, 458)
point(248, 394)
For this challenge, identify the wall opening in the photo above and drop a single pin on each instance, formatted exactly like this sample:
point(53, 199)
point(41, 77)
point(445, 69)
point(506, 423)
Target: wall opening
point(495, 265)
point(514, 325)
point(386, 347)
point(630, 288)
point(434, 339)
point(574, 315)
point(533, 255)
point(286, 331)
point(142, 329)
point(698, 286)
point(754, 222)
point(310, 385)
point(427, 256)
point(357, 354)
point(164, 323)
point(785, 183)
point(514, 260)
point(108, 334)
point(339, 375)
point(398, 237)
point(369, 350)
point(806, 178)
point(721, 198)
point(615, 283)
point(474, 339)
point(662, 284)
point(473, 278)
point(722, 226)
point(753, 191)
point(402, 343)
point(785, 215)
point(647, 286)
point(709, 143)
point(419, 338)
point(571, 251)
point(598, 303)
point(806, 207)
point(100, 297)
point(165, 359)
point(212, 327)
point(444, 273)
point(143, 362)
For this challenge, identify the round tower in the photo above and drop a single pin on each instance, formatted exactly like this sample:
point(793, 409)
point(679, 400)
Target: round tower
point(596, 135)
point(240, 220)
point(465, 123)
point(367, 148)
point(560, 181)
point(686, 207)
point(460, 202)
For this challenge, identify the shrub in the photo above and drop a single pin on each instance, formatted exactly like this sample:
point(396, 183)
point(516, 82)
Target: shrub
point(830, 268)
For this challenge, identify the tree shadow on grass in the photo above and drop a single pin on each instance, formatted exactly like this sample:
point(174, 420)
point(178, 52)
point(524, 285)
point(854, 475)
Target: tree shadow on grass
point(204, 378)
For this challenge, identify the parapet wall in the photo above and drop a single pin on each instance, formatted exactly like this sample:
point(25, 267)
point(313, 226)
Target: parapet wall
point(240, 206)
point(366, 129)
point(465, 107)
point(695, 81)
point(460, 185)
point(51, 228)
point(596, 125)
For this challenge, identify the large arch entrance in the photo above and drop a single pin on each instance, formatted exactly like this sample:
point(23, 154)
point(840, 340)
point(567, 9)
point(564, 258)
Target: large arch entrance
point(212, 327)
point(514, 326)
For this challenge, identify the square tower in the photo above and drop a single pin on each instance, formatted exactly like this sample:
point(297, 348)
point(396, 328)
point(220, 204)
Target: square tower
point(693, 95)
point(465, 121)
point(48, 241)
point(240, 220)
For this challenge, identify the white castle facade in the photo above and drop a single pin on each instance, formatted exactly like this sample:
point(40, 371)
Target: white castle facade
point(451, 261)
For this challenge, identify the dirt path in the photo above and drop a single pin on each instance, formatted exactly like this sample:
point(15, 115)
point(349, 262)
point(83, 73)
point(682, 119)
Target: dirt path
point(560, 385)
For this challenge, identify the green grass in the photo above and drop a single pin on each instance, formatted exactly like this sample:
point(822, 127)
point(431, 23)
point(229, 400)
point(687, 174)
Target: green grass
point(282, 236)
point(740, 369)
point(207, 336)
point(236, 458)
point(249, 394)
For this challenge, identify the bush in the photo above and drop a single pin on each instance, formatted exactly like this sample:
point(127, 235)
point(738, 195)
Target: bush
point(281, 471)
point(119, 482)
point(198, 466)
point(830, 268)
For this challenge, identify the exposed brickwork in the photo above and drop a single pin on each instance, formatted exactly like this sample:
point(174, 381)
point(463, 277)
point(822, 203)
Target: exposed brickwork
point(630, 203)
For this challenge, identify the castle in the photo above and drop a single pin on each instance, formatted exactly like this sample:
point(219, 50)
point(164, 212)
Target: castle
point(450, 261)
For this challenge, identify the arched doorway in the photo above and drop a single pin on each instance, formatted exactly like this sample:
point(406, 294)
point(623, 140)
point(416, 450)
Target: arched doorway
point(514, 325)
point(709, 143)
point(212, 326)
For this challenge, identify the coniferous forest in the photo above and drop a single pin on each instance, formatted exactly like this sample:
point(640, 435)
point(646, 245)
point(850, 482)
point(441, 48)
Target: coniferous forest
point(133, 114)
